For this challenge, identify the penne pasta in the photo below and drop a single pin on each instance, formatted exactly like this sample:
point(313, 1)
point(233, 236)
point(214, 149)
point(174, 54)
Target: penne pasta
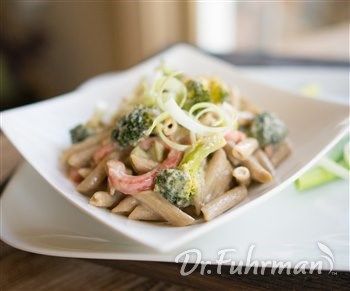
point(198, 200)
point(245, 118)
point(142, 165)
point(228, 150)
point(90, 141)
point(96, 177)
point(279, 152)
point(82, 158)
point(208, 119)
point(191, 211)
point(110, 188)
point(218, 176)
point(224, 202)
point(245, 148)
point(126, 206)
point(264, 160)
point(103, 151)
point(84, 172)
point(103, 199)
point(170, 126)
point(164, 208)
point(257, 172)
point(242, 175)
point(157, 151)
point(142, 212)
point(74, 175)
point(112, 191)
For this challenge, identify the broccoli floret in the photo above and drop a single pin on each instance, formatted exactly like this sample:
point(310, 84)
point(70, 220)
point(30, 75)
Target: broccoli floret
point(180, 185)
point(173, 184)
point(268, 129)
point(195, 93)
point(209, 91)
point(132, 127)
point(79, 133)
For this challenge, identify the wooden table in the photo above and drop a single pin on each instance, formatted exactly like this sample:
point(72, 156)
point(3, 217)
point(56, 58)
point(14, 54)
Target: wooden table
point(21, 270)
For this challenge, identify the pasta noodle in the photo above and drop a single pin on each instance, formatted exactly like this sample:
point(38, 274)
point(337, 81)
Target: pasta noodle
point(198, 200)
point(142, 165)
point(258, 173)
point(169, 127)
point(208, 119)
point(245, 148)
point(228, 150)
point(84, 172)
point(242, 175)
point(224, 202)
point(264, 160)
point(82, 158)
point(245, 118)
point(278, 153)
point(144, 213)
point(126, 206)
point(96, 177)
point(218, 176)
point(90, 141)
point(164, 208)
point(103, 199)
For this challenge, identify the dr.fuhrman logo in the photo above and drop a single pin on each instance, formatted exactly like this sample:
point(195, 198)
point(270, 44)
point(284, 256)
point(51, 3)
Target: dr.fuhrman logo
point(194, 256)
point(328, 255)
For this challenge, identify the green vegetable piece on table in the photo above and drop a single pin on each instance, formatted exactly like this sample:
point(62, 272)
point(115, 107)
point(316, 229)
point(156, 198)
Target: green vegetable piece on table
point(331, 168)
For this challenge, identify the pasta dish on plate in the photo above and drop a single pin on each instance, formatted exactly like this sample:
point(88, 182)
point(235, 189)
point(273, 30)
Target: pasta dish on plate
point(178, 149)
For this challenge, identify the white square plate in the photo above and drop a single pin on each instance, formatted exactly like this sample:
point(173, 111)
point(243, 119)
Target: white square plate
point(40, 133)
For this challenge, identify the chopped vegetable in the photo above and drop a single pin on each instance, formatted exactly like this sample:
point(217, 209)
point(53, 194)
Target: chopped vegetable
point(314, 177)
point(168, 87)
point(79, 133)
point(188, 122)
point(330, 168)
point(195, 94)
point(133, 126)
point(334, 168)
point(337, 152)
point(180, 185)
point(218, 91)
point(222, 117)
point(174, 184)
point(268, 129)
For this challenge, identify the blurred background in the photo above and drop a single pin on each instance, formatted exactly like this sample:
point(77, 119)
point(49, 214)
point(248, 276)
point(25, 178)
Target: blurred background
point(49, 47)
